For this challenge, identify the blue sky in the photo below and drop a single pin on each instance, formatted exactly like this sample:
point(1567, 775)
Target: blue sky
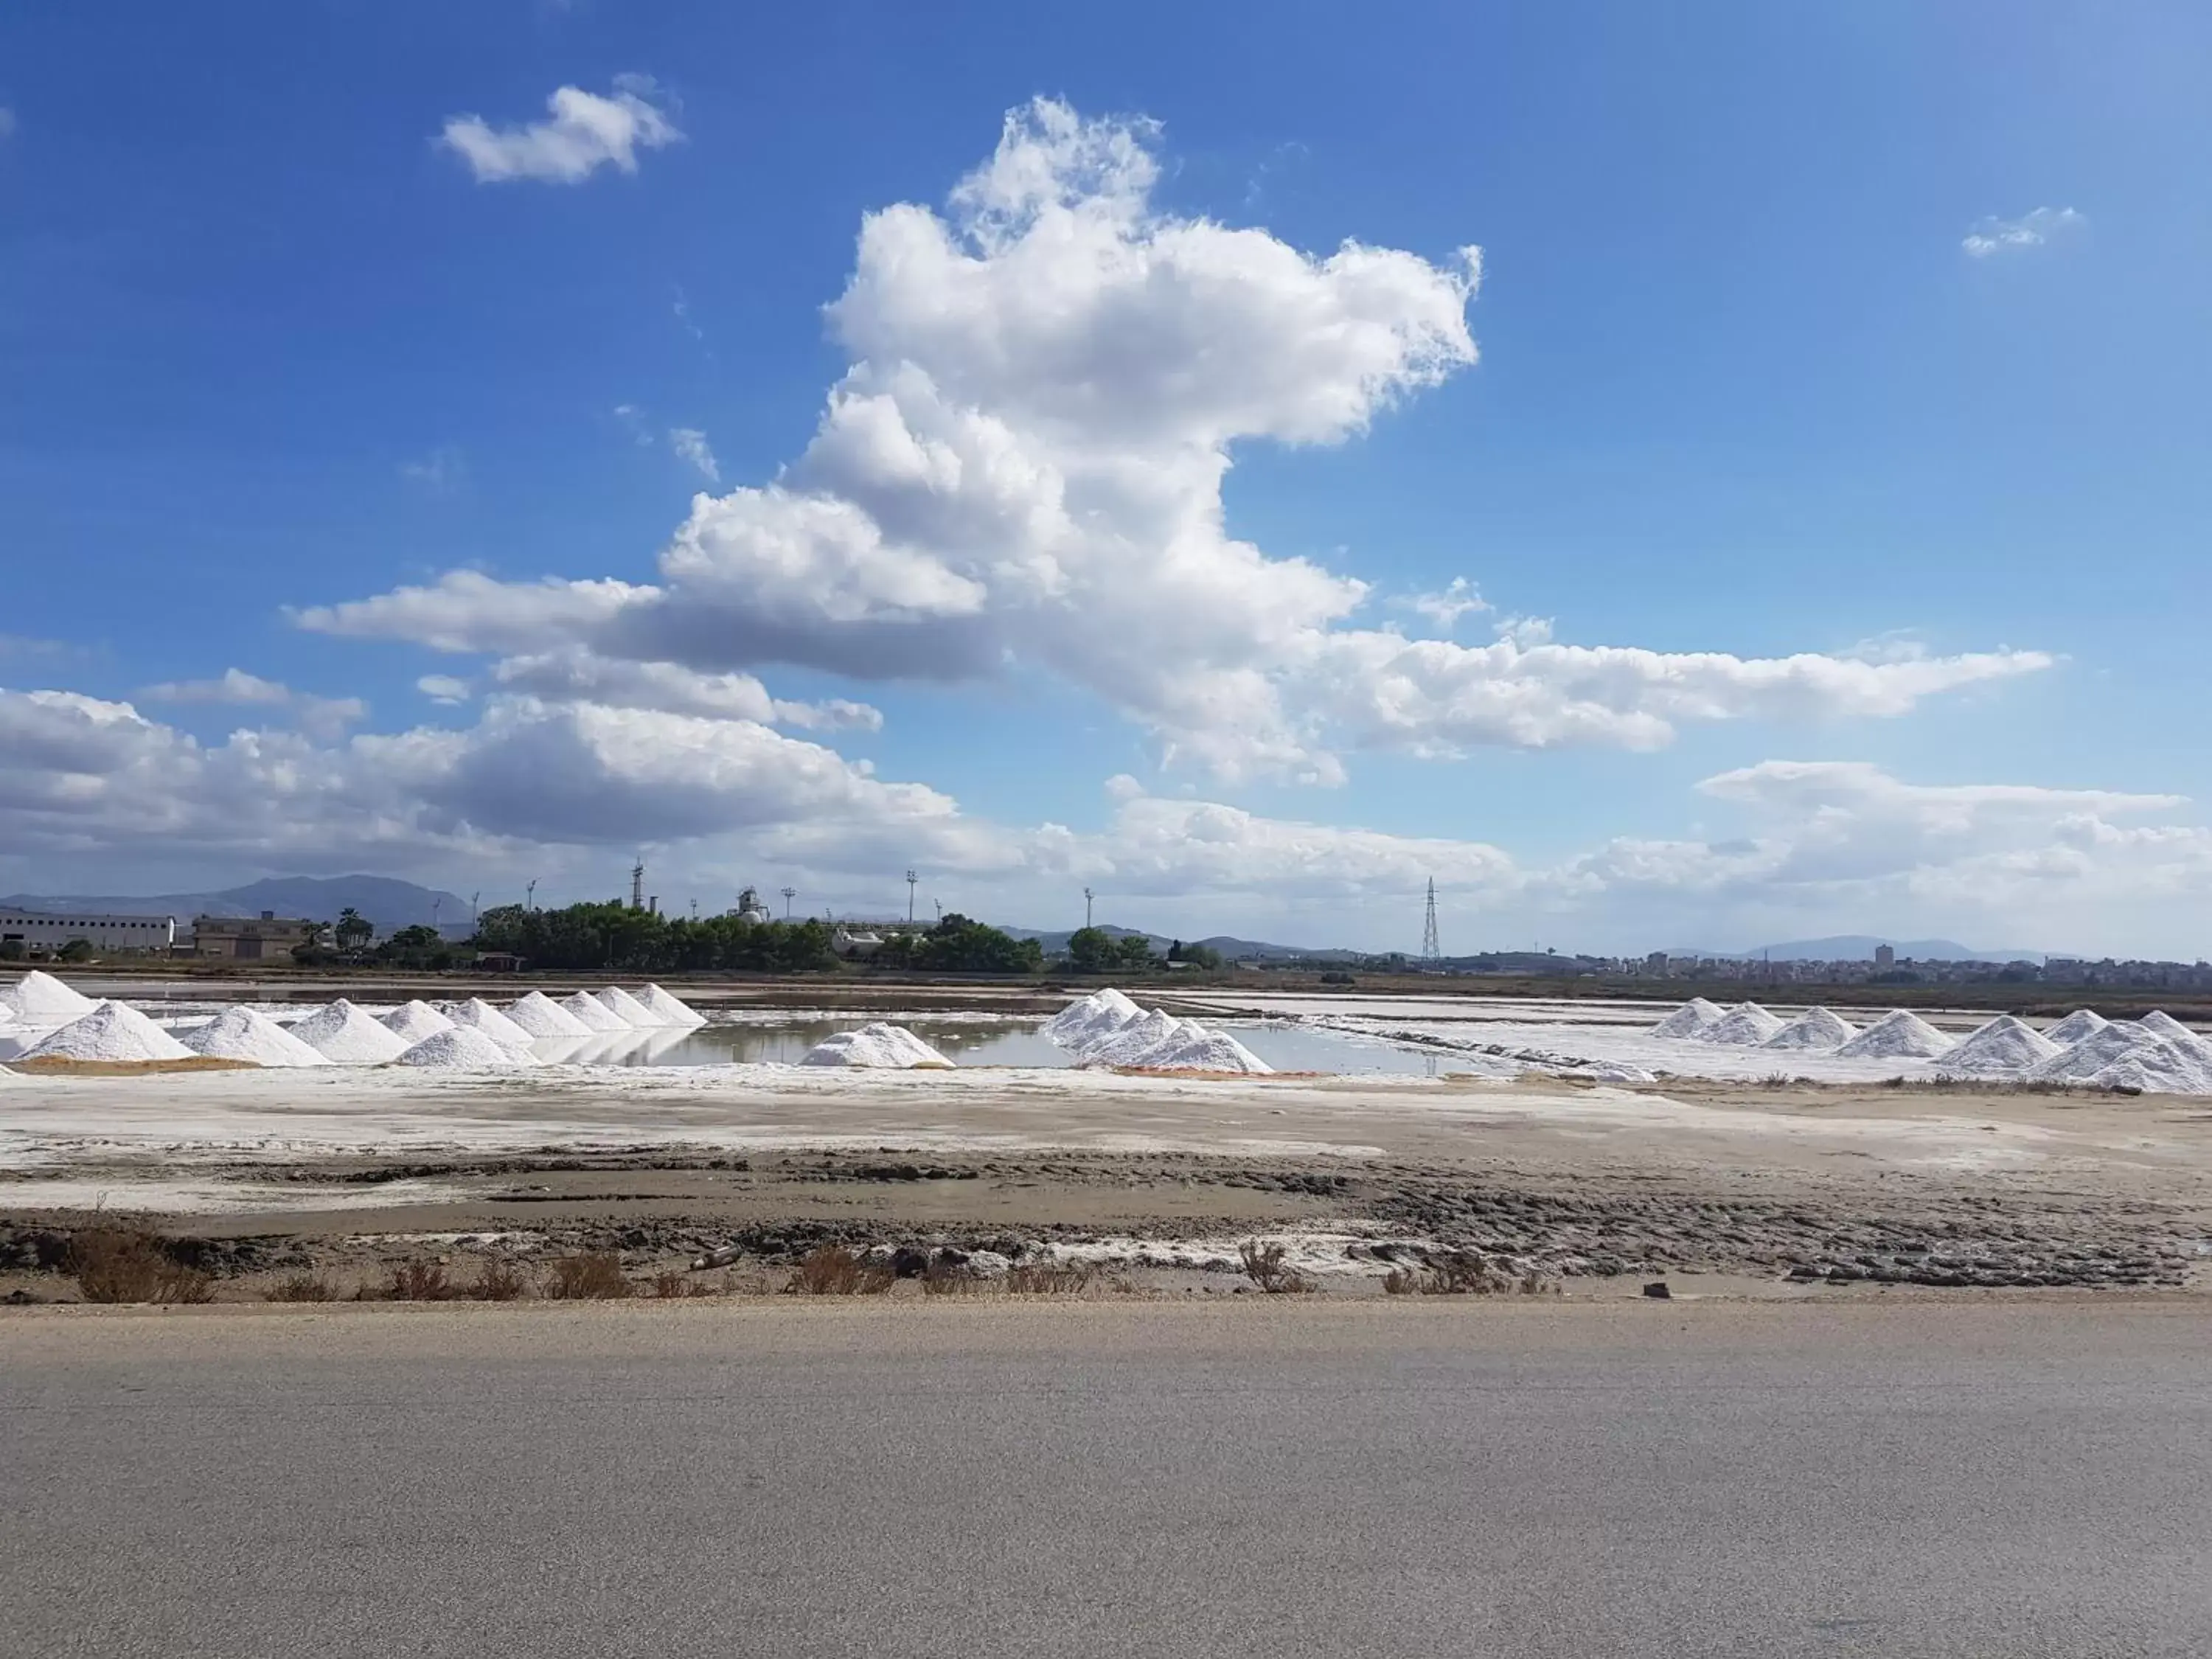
point(1823, 439)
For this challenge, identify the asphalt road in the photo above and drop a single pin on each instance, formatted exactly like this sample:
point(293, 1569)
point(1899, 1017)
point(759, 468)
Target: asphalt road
point(2017, 1479)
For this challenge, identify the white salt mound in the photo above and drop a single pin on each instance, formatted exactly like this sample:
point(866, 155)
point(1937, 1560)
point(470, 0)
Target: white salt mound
point(2159, 1022)
point(542, 1017)
point(1816, 1028)
point(411, 1022)
point(1899, 1035)
point(1746, 1025)
point(480, 1016)
point(40, 999)
point(1086, 1020)
point(1126, 1045)
point(588, 1011)
point(1194, 1048)
point(2082, 1062)
point(348, 1036)
point(2156, 1067)
point(2082, 1022)
point(625, 1007)
point(670, 1009)
point(879, 1045)
point(111, 1031)
point(245, 1034)
point(462, 1048)
point(2005, 1044)
point(1694, 1019)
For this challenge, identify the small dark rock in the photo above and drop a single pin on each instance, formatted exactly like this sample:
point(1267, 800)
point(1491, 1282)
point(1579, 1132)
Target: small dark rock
point(1658, 1291)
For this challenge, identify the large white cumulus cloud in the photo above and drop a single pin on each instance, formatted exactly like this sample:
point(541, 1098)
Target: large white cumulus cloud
point(1022, 468)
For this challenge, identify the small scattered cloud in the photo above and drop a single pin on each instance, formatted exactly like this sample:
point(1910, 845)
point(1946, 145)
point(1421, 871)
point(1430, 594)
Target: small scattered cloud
point(23, 646)
point(1459, 599)
point(632, 419)
point(585, 133)
point(441, 472)
point(691, 444)
point(321, 717)
point(2037, 228)
point(680, 308)
point(1526, 632)
point(7, 122)
point(444, 689)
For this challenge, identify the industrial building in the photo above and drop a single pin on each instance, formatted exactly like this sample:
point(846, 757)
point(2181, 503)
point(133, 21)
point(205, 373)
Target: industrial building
point(266, 937)
point(40, 934)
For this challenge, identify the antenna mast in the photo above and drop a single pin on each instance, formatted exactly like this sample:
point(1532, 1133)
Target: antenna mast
point(1431, 950)
point(637, 883)
point(910, 880)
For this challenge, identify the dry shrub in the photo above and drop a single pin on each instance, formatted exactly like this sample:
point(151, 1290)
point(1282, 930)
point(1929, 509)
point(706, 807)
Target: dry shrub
point(948, 1279)
point(672, 1283)
point(1268, 1266)
point(832, 1270)
point(420, 1281)
point(588, 1278)
point(111, 1265)
point(1464, 1273)
point(302, 1287)
point(1054, 1277)
point(498, 1281)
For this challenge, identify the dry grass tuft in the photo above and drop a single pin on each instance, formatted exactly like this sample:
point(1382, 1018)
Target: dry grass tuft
point(672, 1283)
point(832, 1270)
point(113, 1265)
point(420, 1281)
point(498, 1281)
point(1056, 1278)
point(946, 1279)
point(302, 1287)
point(1268, 1266)
point(588, 1278)
point(1466, 1273)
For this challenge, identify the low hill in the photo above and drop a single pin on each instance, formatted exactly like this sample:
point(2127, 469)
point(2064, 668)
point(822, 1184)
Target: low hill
point(383, 901)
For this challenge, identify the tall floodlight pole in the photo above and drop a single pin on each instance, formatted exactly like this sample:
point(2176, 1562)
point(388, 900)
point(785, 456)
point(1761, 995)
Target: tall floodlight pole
point(1086, 907)
point(910, 880)
point(789, 894)
point(530, 895)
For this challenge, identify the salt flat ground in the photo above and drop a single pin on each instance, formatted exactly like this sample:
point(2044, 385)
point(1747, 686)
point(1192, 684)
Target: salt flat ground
point(2015, 1478)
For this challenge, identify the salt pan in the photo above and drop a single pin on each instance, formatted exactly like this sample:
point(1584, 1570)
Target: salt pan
point(1899, 1035)
point(588, 1011)
point(111, 1031)
point(625, 1007)
point(1816, 1028)
point(878, 1045)
point(464, 1048)
point(245, 1034)
point(542, 1017)
point(2005, 1044)
point(1746, 1025)
point(40, 999)
point(412, 1021)
point(349, 1037)
point(671, 1010)
point(1694, 1019)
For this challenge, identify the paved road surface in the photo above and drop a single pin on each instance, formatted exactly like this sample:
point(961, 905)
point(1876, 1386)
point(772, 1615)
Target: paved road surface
point(1304, 1483)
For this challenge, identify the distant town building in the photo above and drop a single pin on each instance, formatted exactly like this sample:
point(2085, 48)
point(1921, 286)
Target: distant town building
point(265, 937)
point(1885, 956)
point(39, 933)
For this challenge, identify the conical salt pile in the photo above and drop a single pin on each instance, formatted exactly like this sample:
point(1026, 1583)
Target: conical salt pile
point(1694, 1019)
point(111, 1031)
point(480, 1016)
point(2159, 1022)
point(625, 1007)
point(2156, 1067)
point(1124, 1045)
point(40, 999)
point(542, 1017)
point(1086, 1020)
point(244, 1034)
point(2004, 1045)
point(349, 1037)
point(2082, 1022)
point(1746, 1025)
point(2082, 1061)
point(463, 1049)
point(411, 1022)
point(1816, 1028)
point(669, 1009)
point(878, 1045)
point(1899, 1035)
point(588, 1011)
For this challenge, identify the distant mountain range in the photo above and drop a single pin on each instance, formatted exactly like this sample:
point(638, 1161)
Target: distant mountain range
point(387, 903)
point(1232, 948)
point(1860, 947)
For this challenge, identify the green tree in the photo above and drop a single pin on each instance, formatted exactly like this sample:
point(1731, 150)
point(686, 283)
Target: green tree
point(1090, 950)
point(352, 931)
point(77, 950)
